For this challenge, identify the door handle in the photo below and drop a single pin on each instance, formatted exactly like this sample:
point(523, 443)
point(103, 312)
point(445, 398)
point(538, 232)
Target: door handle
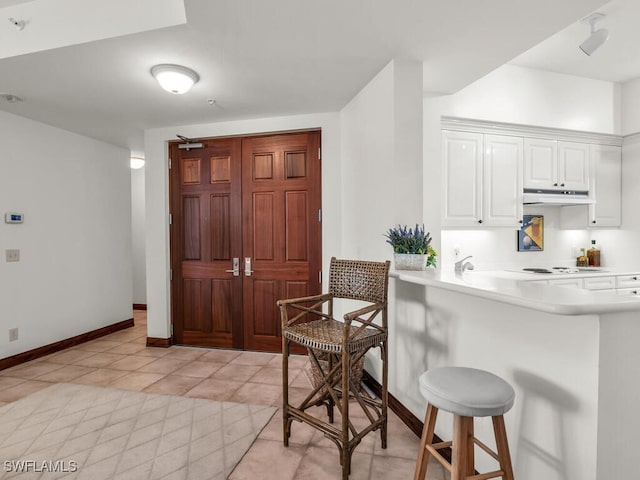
point(247, 267)
point(236, 267)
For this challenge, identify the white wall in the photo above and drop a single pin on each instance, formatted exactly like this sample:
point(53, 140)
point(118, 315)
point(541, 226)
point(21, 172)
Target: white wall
point(631, 107)
point(75, 270)
point(382, 160)
point(138, 236)
point(525, 96)
point(535, 97)
point(157, 200)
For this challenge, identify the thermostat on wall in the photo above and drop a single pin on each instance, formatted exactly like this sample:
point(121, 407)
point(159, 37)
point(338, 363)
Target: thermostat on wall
point(13, 217)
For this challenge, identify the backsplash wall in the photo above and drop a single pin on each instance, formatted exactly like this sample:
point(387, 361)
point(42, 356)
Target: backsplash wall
point(496, 248)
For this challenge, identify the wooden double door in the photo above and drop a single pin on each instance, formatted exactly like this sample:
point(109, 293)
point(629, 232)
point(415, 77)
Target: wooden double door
point(245, 232)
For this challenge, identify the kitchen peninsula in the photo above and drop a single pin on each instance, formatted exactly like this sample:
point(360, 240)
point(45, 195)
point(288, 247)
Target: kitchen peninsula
point(572, 355)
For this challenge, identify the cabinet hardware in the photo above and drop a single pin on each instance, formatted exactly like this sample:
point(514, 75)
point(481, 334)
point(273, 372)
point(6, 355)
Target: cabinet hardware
point(593, 221)
point(562, 184)
point(520, 221)
point(634, 292)
point(479, 221)
point(634, 278)
point(555, 184)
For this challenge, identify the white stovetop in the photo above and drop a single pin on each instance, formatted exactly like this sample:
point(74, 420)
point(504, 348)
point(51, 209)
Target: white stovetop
point(517, 289)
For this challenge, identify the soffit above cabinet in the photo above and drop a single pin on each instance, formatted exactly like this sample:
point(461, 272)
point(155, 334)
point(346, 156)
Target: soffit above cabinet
point(517, 130)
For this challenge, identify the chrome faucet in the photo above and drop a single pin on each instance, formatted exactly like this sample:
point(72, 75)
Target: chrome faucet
point(462, 265)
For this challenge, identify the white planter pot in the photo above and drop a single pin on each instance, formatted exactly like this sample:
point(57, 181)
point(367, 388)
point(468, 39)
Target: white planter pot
point(410, 261)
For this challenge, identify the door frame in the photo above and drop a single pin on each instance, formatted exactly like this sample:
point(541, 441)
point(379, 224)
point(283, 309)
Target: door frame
point(171, 148)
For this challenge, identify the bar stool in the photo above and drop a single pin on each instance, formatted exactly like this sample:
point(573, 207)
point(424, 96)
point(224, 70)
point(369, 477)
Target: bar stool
point(466, 393)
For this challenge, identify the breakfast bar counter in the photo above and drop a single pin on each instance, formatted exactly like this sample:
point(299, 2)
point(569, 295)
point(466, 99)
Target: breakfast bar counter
point(572, 356)
point(523, 290)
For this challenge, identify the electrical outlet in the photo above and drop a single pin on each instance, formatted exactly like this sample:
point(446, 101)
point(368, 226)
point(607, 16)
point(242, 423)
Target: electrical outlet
point(13, 334)
point(12, 255)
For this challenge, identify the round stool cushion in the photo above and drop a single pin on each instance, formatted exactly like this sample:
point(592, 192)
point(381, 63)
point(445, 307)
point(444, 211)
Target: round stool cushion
point(467, 391)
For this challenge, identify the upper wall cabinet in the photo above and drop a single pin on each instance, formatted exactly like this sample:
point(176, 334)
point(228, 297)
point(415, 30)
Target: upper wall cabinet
point(487, 165)
point(606, 161)
point(462, 169)
point(605, 190)
point(556, 165)
point(482, 179)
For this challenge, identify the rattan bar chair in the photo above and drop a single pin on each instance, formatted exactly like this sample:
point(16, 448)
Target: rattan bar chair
point(334, 348)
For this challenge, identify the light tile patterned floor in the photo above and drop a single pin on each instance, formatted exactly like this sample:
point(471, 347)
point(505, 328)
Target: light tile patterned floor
point(122, 360)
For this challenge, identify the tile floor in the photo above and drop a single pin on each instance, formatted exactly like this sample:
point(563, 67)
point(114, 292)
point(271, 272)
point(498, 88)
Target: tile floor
point(122, 360)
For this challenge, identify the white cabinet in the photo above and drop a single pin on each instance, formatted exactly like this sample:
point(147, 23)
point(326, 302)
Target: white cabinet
point(502, 184)
point(607, 183)
point(540, 163)
point(482, 179)
point(556, 165)
point(462, 168)
point(567, 282)
point(628, 281)
point(599, 283)
point(628, 291)
point(573, 166)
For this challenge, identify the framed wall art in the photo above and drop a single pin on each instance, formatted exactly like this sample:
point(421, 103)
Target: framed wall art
point(531, 234)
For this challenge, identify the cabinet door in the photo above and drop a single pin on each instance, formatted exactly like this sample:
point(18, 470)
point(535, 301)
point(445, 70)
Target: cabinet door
point(567, 282)
point(573, 166)
point(462, 171)
point(628, 281)
point(502, 183)
point(540, 163)
point(606, 162)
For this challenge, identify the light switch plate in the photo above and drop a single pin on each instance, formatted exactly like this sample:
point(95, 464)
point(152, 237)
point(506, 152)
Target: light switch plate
point(12, 255)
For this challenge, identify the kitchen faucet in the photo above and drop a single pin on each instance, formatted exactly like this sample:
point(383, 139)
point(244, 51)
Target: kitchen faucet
point(461, 265)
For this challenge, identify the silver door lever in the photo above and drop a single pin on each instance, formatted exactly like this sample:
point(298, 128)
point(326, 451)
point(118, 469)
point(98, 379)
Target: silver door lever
point(236, 267)
point(247, 267)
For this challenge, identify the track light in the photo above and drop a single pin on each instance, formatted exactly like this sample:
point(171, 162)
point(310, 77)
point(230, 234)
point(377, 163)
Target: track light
point(597, 37)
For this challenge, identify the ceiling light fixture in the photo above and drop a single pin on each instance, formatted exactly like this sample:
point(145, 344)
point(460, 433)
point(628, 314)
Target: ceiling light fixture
point(597, 37)
point(175, 78)
point(137, 162)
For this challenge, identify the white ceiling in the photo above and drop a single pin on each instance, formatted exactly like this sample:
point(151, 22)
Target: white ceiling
point(618, 60)
point(261, 58)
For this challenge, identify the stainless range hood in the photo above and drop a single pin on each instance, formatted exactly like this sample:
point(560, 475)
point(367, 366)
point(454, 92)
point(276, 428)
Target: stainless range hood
point(534, 196)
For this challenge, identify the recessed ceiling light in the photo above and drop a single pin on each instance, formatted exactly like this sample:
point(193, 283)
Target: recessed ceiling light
point(137, 162)
point(175, 78)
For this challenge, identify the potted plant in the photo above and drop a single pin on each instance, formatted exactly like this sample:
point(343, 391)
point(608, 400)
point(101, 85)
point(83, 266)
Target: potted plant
point(412, 248)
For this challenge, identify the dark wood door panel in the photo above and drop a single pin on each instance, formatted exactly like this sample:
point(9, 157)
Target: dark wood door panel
point(205, 236)
point(256, 198)
point(281, 184)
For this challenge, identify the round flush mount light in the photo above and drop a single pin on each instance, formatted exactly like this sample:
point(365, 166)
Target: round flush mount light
point(175, 79)
point(137, 162)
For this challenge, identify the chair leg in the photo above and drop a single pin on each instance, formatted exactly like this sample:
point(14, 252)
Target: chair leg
point(286, 421)
point(329, 402)
point(345, 452)
point(384, 394)
point(502, 447)
point(427, 439)
point(461, 464)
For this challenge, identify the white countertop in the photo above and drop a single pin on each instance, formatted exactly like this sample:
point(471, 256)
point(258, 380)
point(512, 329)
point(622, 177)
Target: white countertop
point(517, 289)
